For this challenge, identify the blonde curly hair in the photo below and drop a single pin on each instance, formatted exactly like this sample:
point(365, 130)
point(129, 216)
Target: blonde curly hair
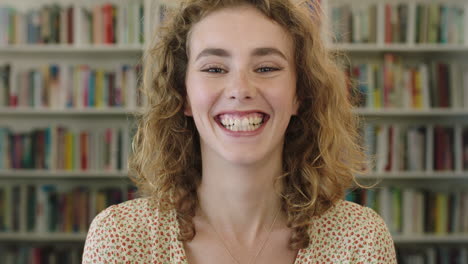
point(321, 147)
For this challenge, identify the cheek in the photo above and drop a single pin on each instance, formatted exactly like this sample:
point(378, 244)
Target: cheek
point(285, 98)
point(200, 96)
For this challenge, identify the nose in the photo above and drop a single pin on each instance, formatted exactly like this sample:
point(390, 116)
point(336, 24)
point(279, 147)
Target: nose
point(240, 87)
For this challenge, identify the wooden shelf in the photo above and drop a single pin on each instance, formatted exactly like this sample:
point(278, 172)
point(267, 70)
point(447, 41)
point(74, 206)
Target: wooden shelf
point(65, 112)
point(49, 174)
point(436, 112)
point(45, 237)
point(57, 48)
point(413, 48)
point(435, 239)
point(410, 175)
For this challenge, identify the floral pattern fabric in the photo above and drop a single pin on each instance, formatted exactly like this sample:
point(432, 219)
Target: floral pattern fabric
point(136, 232)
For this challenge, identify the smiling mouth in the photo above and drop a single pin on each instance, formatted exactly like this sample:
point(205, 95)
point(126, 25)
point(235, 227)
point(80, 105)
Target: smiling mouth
point(242, 123)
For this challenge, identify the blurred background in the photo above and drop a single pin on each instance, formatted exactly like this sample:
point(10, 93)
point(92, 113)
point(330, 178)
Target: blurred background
point(69, 77)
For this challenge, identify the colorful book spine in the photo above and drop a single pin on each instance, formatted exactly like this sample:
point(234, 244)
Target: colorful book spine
point(62, 148)
point(395, 83)
point(62, 86)
point(408, 211)
point(50, 208)
point(350, 23)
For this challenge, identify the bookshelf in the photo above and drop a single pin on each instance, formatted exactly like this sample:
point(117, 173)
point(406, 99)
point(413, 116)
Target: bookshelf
point(403, 48)
point(26, 237)
point(67, 49)
point(82, 39)
point(361, 48)
point(110, 112)
point(414, 33)
point(51, 174)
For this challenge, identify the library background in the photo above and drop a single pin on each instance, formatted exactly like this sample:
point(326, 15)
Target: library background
point(69, 72)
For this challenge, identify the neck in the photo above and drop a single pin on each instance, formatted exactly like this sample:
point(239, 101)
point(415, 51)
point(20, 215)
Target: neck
point(240, 200)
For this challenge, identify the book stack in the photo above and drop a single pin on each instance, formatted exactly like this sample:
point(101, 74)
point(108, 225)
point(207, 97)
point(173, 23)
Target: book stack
point(433, 255)
point(395, 84)
point(411, 211)
point(60, 86)
point(353, 23)
point(97, 23)
point(449, 85)
point(444, 158)
point(440, 23)
point(396, 22)
point(41, 254)
point(64, 148)
point(4, 83)
point(55, 208)
point(111, 23)
point(400, 147)
point(49, 24)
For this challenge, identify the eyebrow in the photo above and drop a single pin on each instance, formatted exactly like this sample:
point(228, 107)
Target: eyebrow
point(258, 52)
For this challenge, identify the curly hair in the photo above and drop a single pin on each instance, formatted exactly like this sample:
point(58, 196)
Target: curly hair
point(321, 151)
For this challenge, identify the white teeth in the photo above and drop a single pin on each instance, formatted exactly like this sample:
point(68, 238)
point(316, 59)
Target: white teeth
point(246, 123)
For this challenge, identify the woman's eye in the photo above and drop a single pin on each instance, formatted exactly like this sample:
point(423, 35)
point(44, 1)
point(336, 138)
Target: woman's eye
point(266, 69)
point(214, 70)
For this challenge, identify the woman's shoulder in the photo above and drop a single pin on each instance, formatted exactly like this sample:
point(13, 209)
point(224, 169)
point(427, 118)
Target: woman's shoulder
point(128, 231)
point(350, 231)
point(133, 211)
point(349, 218)
point(134, 214)
point(346, 212)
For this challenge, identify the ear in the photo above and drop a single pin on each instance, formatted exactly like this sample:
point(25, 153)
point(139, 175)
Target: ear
point(187, 107)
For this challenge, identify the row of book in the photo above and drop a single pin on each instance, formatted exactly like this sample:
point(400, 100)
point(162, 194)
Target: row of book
point(440, 23)
point(5, 83)
point(112, 23)
point(410, 211)
point(53, 208)
point(60, 86)
point(433, 255)
point(395, 84)
point(419, 148)
point(21, 254)
point(396, 23)
point(48, 24)
point(354, 23)
point(64, 148)
point(99, 23)
point(433, 22)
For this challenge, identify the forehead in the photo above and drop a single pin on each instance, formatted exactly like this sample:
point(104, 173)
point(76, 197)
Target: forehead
point(239, 29)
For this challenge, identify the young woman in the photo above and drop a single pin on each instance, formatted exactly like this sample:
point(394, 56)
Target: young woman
point(246, 148)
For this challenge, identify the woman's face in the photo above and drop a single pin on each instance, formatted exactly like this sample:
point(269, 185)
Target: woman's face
point(241, 85)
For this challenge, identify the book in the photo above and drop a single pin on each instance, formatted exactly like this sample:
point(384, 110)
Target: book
point(53, 208)
point(65, 86)
point(416, 211)
point(41, 253)
point(63, 148)
point(350, 23)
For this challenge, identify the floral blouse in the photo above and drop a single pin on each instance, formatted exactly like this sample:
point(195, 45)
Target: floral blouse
point(136, 232)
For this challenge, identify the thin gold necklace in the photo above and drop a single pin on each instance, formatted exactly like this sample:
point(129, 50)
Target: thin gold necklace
point(252, 259)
